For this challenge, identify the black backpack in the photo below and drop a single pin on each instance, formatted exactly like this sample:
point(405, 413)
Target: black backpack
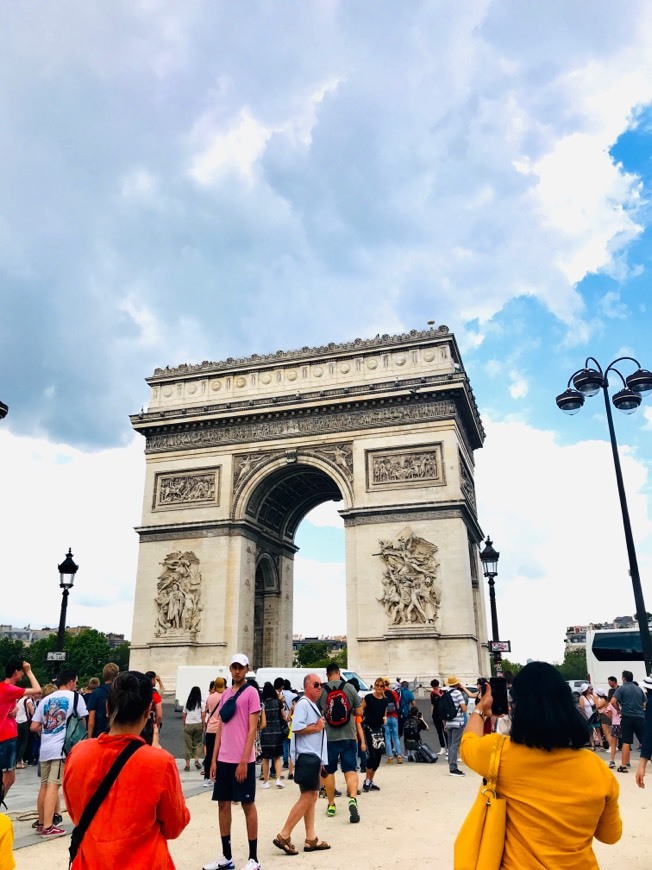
point(411, 728)
point(447, 707)
point(338, 708)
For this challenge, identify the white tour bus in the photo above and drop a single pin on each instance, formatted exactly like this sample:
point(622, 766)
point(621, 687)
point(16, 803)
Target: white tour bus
point(610, 651)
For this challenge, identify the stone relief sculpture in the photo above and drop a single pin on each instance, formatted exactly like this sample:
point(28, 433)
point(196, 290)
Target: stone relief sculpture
point(182, 489)
point(411, 589)
point(409, 466)
point(466, 484)
point(179, 595)
point(340, 454)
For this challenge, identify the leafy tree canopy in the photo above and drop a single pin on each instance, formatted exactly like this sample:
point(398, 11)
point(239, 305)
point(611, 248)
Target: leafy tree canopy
point(313, 655)
point(573, 666)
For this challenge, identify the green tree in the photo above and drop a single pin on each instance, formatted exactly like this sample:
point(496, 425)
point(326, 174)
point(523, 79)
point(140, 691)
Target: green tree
point(313, 655)
point(11, 649)
point(37, 657)
point(514, 667)
point(120, 655)
point(341, 657)
point(88, 652)
point(573, 666)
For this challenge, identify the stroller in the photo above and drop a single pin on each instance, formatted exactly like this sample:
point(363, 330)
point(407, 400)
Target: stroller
point(416, 749)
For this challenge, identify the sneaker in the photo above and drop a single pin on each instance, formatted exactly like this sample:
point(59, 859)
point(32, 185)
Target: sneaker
point(279, 784)
point(207, 783)
point(37, 824)
point(331, 810)
point(53, 831)
point(220, 863)
point(612, 764)
point(354, 815)
point(266, 784)
point(374, 787)
point(366, 786)
point(410, 757)
point(38, 828)
point(57, 819)
point(252, 864)
point(456, 772)
point(290, 777)
point(338, 793)
point(442, 751)
point(399, 759)
point(389, 761)
point(622, 769)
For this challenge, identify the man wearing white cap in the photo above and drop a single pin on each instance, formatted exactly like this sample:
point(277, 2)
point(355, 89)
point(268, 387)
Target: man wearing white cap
point(233, 765)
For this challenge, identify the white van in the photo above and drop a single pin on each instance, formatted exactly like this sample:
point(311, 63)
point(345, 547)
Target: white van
point(297, 675)
point(196, 675)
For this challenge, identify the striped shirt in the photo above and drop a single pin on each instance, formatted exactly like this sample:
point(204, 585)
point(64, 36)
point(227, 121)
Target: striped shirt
point(458, 699)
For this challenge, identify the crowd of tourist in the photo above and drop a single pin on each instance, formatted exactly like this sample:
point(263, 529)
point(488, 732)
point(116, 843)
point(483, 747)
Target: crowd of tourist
point(303, 734)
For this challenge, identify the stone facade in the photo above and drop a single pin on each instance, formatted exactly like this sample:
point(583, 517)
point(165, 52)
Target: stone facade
point(237, 454)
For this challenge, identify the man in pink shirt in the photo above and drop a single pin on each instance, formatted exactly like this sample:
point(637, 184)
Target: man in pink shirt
point(233, 765)
point(15, 670)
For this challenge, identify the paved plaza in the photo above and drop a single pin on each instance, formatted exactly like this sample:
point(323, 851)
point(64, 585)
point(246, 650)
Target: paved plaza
point(417, 813)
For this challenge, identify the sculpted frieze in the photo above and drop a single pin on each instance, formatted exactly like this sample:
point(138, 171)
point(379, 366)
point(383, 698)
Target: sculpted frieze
point(411, 588)
point(311, 424)
point(466, 484)
point(186, 489)
point(178, 599)
point(401, 468)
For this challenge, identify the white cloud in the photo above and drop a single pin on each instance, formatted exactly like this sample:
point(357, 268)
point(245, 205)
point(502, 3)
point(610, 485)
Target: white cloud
point(325, 515)
point(554, 515)
point(319, 597)
point(237, 150)
point(518, 387)
point(55, 497)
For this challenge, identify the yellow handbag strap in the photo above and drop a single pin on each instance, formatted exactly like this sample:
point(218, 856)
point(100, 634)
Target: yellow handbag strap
point(494, 763)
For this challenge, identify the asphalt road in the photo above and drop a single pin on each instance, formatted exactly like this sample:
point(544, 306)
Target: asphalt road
point(172, 731)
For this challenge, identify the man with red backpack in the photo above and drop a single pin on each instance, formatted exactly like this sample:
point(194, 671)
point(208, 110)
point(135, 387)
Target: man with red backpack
point(340, 703)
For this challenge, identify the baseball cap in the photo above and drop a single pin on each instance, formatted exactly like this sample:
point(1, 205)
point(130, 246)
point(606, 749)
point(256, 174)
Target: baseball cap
point(240, 659)
point(600, 693)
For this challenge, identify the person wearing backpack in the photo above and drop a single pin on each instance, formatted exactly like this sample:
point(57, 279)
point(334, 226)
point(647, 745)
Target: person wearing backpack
point(98, 718)
point(50, 720)
point(452, 708)
point(392, 739)
point(340, 704)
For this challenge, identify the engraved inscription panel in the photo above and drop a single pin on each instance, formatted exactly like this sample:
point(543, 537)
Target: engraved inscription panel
point(398, 469)
point(199, 488)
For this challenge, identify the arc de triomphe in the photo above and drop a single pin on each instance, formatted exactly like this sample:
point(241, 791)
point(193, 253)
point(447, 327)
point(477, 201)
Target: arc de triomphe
point(238, 452)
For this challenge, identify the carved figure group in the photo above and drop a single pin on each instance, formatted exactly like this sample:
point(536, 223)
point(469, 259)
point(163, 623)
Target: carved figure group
point(410, 466)
point(179, 594)
point(185, 488)
point(411, 589)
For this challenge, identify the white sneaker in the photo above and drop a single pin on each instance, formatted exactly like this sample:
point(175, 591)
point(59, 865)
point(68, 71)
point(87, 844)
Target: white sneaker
point(442, 751)
point(220, 863)
point(252, 865)
point(279, 784)
point(264, 784)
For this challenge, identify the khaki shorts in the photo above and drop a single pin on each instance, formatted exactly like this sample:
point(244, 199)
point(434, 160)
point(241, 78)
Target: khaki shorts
point(52, 771)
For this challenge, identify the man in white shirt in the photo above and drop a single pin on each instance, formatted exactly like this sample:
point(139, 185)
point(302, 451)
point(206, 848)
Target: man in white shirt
point(309, 750)
point(50, 720)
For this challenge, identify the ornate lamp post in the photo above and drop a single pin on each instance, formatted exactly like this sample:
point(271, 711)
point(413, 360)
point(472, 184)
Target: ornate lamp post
point(3, 410)
point(489, 558)
point(588, 382)
point(67, 571)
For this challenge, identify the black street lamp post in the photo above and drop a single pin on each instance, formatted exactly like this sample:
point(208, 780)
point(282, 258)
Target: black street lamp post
point(489, 558)
point(67, 571)
point(588, 382)
point(3, 410)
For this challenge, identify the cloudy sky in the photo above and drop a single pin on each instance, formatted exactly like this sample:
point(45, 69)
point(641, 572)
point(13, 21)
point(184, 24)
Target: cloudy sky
point(212, 179)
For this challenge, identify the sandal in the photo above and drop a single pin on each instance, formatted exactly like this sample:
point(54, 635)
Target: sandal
point(285, 845)
point(197, 764)
point(316, 845)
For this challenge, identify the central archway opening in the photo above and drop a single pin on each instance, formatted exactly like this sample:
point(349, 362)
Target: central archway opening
point(300, 585)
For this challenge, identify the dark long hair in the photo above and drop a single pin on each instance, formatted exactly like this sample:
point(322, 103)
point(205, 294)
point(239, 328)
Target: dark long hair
point(194, 698)
point(130, 695)
point(269, 692)
point(544, 714)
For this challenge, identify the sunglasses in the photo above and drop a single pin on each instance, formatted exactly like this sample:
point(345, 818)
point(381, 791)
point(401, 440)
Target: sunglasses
point(316, 685)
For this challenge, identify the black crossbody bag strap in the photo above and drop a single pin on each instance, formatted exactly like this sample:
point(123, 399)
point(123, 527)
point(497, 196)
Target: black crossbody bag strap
point(96, 801)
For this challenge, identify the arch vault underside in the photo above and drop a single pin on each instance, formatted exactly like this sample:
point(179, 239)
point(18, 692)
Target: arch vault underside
point(239, 452)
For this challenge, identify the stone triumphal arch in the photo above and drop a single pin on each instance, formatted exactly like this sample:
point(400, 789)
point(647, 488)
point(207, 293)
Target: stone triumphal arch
point(238, 452)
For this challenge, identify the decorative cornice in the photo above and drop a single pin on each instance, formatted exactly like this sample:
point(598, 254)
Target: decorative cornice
point(414, 513)
point(215, 529)
point(401, 410)
point(281, 356)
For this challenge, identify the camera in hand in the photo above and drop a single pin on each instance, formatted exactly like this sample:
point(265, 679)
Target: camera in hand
point(500, 702)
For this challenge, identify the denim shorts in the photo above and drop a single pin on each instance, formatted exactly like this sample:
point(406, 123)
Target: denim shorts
point(344, 751)
point(8, 754)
